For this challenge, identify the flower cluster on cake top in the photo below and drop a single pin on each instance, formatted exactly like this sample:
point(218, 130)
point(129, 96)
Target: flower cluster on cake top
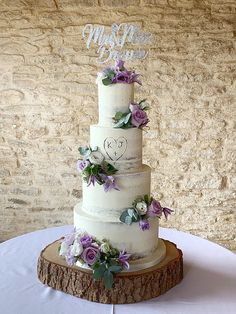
point(142, 209)
point(118, 74)
point(94, 168)
point(135, 117)
point(81, 249)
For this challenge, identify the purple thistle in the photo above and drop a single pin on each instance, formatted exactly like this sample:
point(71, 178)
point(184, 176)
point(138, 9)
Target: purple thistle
point(144, 225)
point(123, 259)
point(109, 182)
point(92, 180)
point(134, 78)
point(167, 211)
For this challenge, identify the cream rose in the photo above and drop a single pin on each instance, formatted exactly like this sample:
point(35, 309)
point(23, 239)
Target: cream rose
point(76, 249)
point(141, 208)
point(63, 249)
point(105, 247)
point(96, 158)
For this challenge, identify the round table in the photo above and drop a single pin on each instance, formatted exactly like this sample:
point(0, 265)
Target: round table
point(209, 284)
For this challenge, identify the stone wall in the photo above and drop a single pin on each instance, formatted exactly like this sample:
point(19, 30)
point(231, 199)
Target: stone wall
point(48, 100)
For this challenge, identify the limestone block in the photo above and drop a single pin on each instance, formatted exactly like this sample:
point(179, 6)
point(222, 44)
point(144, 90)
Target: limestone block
point(48, 99)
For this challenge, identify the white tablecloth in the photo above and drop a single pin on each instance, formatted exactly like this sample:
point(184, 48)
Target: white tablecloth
point(209, 284)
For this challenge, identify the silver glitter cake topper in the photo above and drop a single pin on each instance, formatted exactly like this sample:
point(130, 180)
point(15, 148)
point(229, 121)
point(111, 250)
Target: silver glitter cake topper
point(111, 43)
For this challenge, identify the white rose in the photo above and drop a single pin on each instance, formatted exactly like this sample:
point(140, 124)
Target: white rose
point(105, 248)
point(76, 249)
point(141, 208)
point(96, 158)
point(63, 249)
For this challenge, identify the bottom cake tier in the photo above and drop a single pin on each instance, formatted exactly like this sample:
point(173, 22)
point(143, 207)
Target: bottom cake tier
point(121, 236)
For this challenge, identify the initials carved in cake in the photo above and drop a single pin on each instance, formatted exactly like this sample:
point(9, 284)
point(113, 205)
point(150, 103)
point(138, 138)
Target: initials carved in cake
point(115, 148)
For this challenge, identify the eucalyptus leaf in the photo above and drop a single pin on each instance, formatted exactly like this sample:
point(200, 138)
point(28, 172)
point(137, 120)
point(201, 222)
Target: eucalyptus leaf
point(135, 217)
point(98, 273)
point(83, 150)
point(123, 216)
point(108, 279)
point(107, 81)
point(118, 115)
point(115, 268)
point(127, 118)
point(111, 75)
point(130, 211)
point(128, 220)
point(119, 124)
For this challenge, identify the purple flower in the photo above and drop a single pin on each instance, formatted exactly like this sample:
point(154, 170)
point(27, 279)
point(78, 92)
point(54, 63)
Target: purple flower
point(134, 106)
point(109, 182)
point(154, 209)
point(123, 259)
point(90, 255)
point(82, 164)
point(133, 78)
point(92, 180)
point(70, 259)
point(121, 77)
point(86, 240)
point(167, 211)
point(139, 117)
point(120, 65)
point(144, 225)
point(69, 239)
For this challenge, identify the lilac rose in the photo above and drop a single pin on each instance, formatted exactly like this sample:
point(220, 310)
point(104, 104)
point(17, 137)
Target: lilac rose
point(90, 255)
point(139, 118)
point(155, 209)
point(86, 240)
point(82, 164)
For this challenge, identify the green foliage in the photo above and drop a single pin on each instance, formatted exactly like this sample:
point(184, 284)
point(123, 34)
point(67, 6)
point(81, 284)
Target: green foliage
point(144, 105)
point(108, 279)
point(98, 271)
point(123, 120)
point(94, 169)
point(84, 150)
point(105, 268)
point(147, 199)
point(109, 77)
point(106, 81)
point(108, 169)
point(129, 216)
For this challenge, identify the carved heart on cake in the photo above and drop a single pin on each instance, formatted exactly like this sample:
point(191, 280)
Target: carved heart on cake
point(115, 148)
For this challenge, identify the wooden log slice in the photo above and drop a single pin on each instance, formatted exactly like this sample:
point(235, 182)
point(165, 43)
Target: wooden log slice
point(129, 287)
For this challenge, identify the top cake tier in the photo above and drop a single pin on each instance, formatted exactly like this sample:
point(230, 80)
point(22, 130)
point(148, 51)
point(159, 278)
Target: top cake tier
point(113, 98)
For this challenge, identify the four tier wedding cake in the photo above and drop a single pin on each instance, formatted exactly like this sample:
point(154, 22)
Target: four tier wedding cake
point(117, 221)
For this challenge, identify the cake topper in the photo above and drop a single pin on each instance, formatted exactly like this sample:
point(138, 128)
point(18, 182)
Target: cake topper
point(111, 43)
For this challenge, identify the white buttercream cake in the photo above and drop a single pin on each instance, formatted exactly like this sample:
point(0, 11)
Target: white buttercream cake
point(98, 214)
